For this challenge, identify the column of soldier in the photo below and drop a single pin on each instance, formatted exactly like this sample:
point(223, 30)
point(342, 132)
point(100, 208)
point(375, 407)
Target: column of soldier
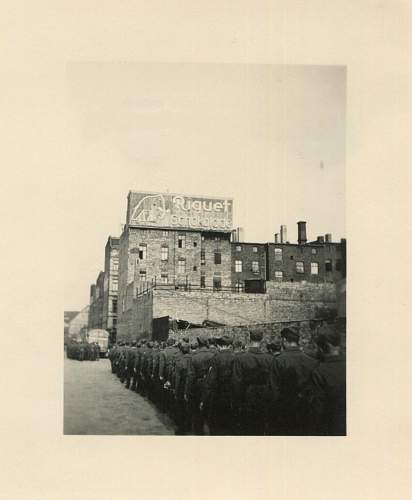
point(223, 387)
point(83, 351)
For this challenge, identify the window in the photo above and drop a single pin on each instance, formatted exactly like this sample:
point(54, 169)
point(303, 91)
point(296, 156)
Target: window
point(181, 266)
point(123, 303)
point(114, 306)
point(202, 257)
point(203, 281)
point(218, 258)
point(142, 252)
point(278, 254)
point(142, 276)
point(291, 257)
point(165, 234)
point(164, 253)
point(328, 265)
point(181, 240)
point(255, 266)
point(115, 285)
point(195, 243)
point(313, 251)
point(115, 264)
point(254, 249)
point(217, 283)
point(217, 238)
point(238, 248)
point(194, 268)
point(279, 275)
point(114, 322)
point(239, 286)
point(238, 266)
point(300, 267)
point(164, 279)
point(314, 268)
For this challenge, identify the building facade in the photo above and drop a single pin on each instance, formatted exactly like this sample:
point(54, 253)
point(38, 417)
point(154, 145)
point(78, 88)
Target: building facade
point(175, 241)
point(96, 303)
point(111, 287)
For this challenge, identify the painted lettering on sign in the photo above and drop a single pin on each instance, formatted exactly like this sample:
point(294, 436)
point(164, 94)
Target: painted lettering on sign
point(179, 211)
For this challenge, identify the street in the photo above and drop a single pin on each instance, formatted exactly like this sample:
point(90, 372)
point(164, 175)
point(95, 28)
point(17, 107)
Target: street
point(96, 403)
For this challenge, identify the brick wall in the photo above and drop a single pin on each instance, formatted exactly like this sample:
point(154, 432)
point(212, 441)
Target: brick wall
point(246, 253)
point(283, 302)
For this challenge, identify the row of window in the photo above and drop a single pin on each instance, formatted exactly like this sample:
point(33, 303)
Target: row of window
point(239, 249)
point(239, 266)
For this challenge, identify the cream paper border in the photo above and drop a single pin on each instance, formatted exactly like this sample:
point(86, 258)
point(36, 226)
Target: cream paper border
point(38, 39)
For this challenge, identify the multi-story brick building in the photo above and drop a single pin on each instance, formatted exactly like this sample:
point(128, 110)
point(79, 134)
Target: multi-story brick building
point(319, 261)
point(177, 241)
point(96, 303)
point(111, 285)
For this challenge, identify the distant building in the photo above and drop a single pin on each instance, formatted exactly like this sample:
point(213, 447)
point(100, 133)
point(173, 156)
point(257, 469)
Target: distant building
point(78, 323)
point(111, 287)
point(96, 303)
point(68, 316)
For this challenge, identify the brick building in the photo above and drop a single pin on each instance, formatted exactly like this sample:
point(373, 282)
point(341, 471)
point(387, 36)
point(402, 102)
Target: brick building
point(96, 303)
point(111, 285)
point(177, 241)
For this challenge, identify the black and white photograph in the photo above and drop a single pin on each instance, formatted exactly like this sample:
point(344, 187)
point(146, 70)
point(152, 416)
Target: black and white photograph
point(209, 295)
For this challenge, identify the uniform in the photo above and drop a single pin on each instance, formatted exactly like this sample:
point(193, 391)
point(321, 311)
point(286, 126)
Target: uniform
point(195, 389)
point(327, 393)
point(181, 366)
point(290, 373)
point(218, 400)
point(250, 379)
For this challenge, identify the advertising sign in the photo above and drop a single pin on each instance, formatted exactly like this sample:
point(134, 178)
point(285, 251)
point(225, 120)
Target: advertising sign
point(179, 211)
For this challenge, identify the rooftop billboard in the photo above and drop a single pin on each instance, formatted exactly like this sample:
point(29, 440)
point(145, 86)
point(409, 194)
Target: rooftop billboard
point(179, 211)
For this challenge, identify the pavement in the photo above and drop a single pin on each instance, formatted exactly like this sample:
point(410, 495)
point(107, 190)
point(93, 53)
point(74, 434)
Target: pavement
point(96, 403)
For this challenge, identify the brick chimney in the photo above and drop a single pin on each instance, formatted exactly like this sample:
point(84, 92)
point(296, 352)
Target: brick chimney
point(277, 238)
point(328, 238)
point(321, 239)
point(302, 233)
point(283, 234)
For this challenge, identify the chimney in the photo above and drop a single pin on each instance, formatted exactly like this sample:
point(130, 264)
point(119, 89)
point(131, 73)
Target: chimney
point(321, 239)
point(283, 234)
point(234, 235)
point(240, 234)
point(328, 238)
point(277, 238)
point(302, 233)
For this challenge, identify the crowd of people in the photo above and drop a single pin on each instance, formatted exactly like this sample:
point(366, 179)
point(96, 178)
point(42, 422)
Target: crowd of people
point(220, 386)
point(83, 351)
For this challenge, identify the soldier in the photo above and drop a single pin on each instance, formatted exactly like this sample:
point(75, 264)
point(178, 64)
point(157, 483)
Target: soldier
point(180, 374)
point(81, 355)
point(290, 373)
point(274, 348)
point(129, 363)
point(97, 349)
point(198, 369)
point(112, 357)
point(133, 380)
point(218, 398)
point(327, 388)
point(155, 373)
point(137, 364)
point(165, 373)
point(250, 378)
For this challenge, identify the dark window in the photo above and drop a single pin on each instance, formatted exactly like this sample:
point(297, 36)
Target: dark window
point(181, 241)
point(194, 268)
point(202, 281)
point(218, 258)
point(217, 283)
point(195, 243)
point(291, 257)
point(114, 306)
point(328, 265)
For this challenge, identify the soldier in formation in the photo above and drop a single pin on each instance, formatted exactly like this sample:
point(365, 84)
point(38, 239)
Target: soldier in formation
point(224, 387)
point(83, 351)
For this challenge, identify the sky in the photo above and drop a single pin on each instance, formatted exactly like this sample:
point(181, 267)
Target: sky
point(271, 137)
